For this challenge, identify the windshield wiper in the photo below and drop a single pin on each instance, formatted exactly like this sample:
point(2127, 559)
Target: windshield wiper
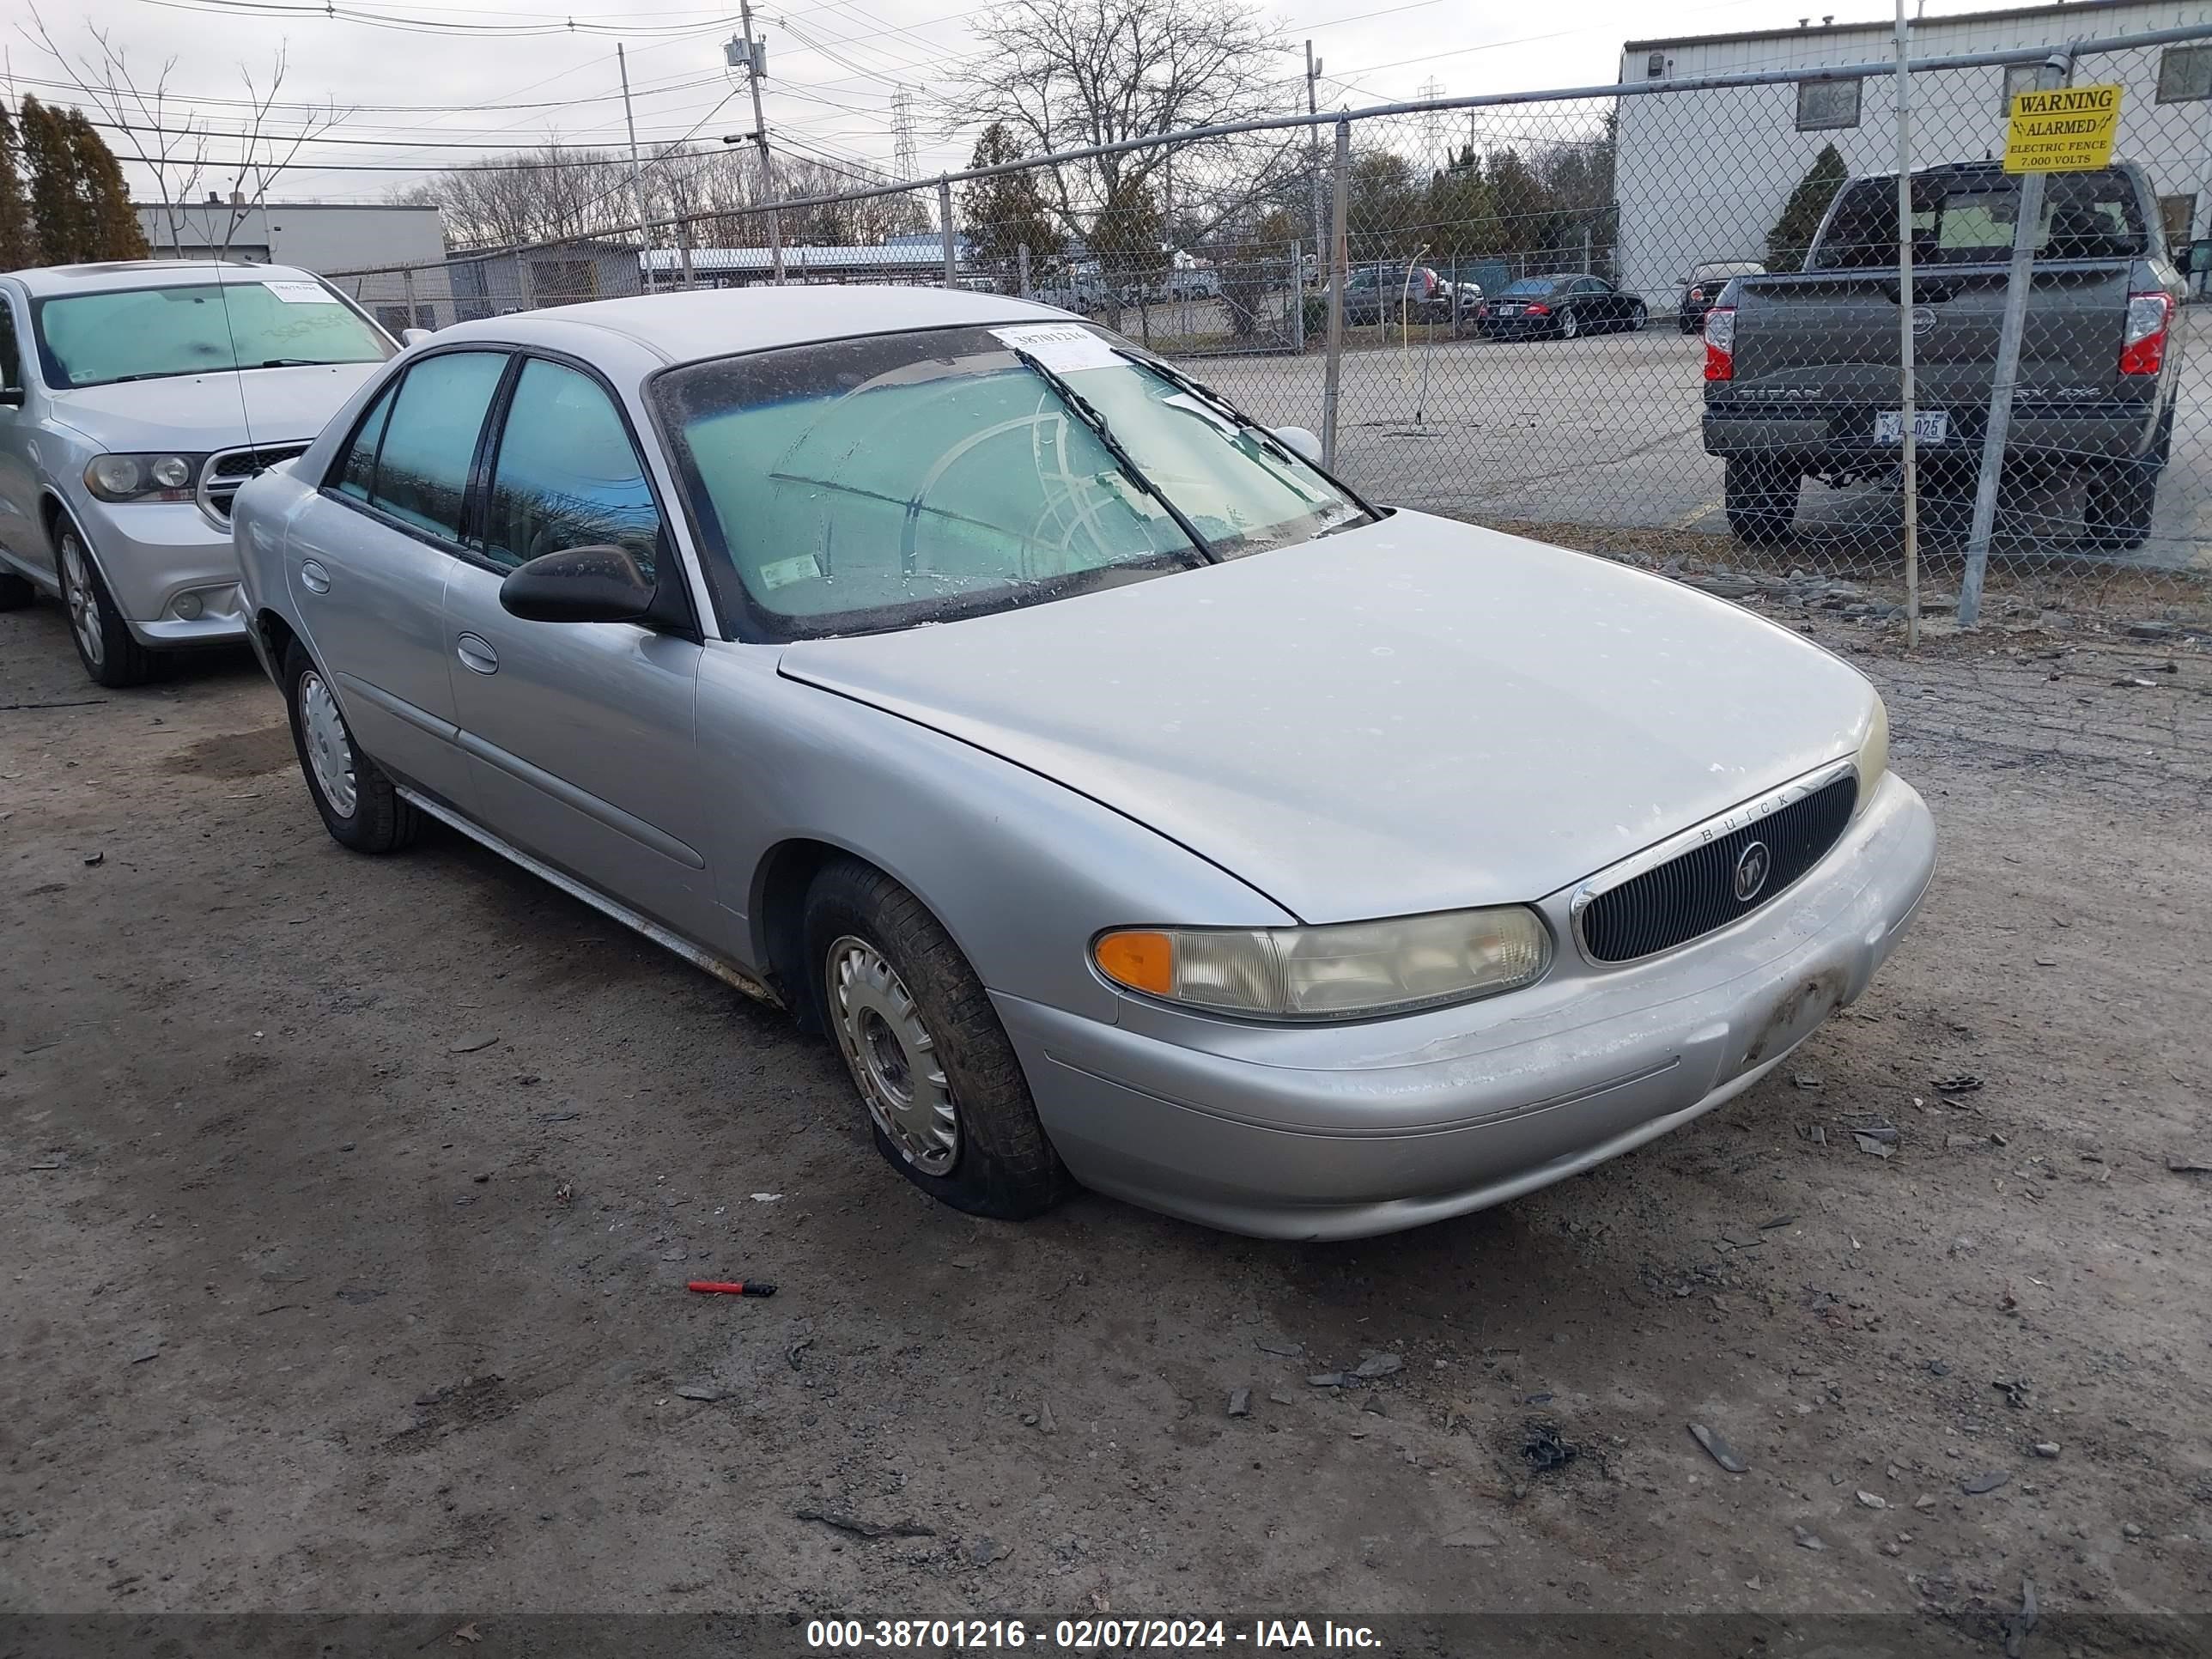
point(1081, 408)
point(290, 362)
point(1229, 412)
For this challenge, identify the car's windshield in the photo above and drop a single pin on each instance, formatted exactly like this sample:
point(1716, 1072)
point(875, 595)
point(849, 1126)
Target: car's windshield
point(1528, 287)
point(151, 333)
point(879, 483)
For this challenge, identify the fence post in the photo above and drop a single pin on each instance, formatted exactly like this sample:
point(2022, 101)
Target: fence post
point(944, 218)
point(1338, 273)
point(1022, 266)
point(1908, 457)
point(2054, 71)
point(407, 283)
point(683, 250)
point(1298, 318)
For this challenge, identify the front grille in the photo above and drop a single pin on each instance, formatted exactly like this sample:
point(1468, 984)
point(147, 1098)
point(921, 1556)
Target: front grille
point(1695, 892)
point(224, 474)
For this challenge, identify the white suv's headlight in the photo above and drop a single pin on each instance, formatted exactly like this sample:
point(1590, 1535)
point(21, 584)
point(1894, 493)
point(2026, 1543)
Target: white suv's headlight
point(1873, 759)
point(161, 478)
point(1351, 970)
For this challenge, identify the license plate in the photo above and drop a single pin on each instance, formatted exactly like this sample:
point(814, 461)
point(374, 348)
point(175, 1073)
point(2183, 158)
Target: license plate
point(1929, 426)
point(1509, 310)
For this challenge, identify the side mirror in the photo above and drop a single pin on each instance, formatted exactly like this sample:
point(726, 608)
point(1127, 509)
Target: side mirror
point(1298, 441)
point(579, 584)
point(413, 337)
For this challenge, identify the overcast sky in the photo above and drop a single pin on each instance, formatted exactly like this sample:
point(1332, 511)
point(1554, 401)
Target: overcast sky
point(834, 66)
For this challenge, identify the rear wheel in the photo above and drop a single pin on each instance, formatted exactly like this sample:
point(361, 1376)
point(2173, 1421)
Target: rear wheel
point(946, 1098)
point(103, 639)
point(2117, 514)
point(1638, 314)
point(358, 803)
point(1760, 495)
point(1570, 325)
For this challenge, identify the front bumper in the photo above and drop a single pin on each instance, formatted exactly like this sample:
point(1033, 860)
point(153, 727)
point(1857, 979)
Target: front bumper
point(1341, 1132)
point(162, 560)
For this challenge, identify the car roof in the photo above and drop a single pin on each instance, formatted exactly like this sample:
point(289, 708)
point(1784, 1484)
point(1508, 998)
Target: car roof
point(684, 327)
point(41, 281)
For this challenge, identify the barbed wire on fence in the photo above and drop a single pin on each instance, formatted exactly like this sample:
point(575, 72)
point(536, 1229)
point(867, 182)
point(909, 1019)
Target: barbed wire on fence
point(1663, 316)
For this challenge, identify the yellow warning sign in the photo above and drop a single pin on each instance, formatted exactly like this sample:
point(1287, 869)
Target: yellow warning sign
point(2065, 129)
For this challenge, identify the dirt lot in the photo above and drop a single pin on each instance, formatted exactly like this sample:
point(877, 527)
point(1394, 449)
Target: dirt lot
point(318, 1300)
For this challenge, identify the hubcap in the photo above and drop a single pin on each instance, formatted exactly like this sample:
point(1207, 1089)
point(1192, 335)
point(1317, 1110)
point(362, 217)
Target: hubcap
point(83, 607)
point(328, 752)
point(892, 1056)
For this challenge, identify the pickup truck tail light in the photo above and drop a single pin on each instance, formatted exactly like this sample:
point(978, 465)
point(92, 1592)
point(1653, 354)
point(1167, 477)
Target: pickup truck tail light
point(1720, 343)
point(2143, 349)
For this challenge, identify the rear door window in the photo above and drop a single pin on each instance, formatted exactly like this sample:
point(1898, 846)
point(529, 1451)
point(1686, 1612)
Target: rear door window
point(358, 469)
point(430, 439)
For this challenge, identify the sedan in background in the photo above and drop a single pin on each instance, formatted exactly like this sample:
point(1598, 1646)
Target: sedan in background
point(1390, 293)
point(1132, 803)
point(1701, 289)
point(139, 395)
point(1563, 307)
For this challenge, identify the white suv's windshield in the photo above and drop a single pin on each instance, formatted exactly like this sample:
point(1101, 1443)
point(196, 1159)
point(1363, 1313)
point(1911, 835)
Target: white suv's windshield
point(151, 333)
point(879, 483)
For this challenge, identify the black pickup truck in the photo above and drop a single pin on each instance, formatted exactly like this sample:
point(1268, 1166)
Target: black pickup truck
point(1802, 370)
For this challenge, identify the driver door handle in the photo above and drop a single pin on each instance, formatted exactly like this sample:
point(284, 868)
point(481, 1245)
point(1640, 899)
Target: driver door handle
point(475, 652)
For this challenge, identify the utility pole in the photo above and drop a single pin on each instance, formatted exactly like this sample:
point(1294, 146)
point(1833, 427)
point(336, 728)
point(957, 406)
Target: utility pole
point(1313, 152)
point(636, 179)
point(753, 54)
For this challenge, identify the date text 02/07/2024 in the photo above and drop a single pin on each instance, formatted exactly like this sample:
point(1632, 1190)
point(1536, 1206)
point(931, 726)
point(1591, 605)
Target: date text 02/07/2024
point(1084, 1635)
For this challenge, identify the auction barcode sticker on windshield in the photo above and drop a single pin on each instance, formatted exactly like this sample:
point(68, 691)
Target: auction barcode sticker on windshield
point(1064, 348)
point(293, 292)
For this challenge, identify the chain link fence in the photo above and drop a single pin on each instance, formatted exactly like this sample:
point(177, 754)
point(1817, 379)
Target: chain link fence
point(1665, 319)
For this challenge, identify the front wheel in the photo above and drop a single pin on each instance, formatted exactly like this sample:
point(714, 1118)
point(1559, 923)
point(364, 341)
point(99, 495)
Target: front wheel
point(946, 1096)
point(1760, 493)
point(104, 641)
point(359, 806)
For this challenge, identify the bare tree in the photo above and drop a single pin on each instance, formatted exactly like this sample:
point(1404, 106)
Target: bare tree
point(1061, 75)
point(171, 143)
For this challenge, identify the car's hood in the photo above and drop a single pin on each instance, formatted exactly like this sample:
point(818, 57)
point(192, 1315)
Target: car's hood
point(1415, 715)
point(195, 413)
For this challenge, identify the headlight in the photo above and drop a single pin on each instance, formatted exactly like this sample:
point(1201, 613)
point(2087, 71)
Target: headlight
point(1354, 970)
point(1873, 756)
point(161, 478)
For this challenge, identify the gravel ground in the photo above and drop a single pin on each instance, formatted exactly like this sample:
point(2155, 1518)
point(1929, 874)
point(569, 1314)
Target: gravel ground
point(347, 1204)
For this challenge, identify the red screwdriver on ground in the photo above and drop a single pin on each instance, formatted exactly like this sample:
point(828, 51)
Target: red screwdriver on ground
point(732, 1287)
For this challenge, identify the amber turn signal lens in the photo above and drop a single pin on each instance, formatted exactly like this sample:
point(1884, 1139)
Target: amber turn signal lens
point(1141, 961)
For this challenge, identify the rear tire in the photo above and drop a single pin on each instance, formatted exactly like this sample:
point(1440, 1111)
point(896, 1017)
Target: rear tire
point(105, 644)
point(1760, 495)
point(1569, 327)
point(946, 1098)
point(15, 591)
point(1638, 314)
point(2118, 512)
point(360, 807)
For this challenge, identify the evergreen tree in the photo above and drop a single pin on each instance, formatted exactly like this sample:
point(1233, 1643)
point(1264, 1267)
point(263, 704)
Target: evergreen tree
point(57, 232)
point(17, 246)
point(111, 230)
point(1001, 216)
point(1791, 238)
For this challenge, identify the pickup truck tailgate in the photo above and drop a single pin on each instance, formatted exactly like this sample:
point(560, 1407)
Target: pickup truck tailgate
point(1833, 336)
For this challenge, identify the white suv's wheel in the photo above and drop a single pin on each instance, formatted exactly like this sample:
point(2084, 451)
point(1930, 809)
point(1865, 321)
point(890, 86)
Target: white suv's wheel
point(104, 641)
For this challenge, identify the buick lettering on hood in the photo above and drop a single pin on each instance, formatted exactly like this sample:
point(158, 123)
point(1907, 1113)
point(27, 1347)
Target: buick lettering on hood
point(1132, 803)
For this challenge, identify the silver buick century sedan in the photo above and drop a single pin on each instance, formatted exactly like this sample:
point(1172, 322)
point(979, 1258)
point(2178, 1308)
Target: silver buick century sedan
point(1133, 804)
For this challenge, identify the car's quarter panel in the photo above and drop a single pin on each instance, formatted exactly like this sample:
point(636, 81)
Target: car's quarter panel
point(1022, 871)
point(1336, 1131)
point(1416, 715)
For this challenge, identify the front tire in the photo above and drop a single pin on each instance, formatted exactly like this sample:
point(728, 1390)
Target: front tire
point(103, 640)
point(946, 1096)
point(1638, 314)
point(1760, 493)
point(359, 806)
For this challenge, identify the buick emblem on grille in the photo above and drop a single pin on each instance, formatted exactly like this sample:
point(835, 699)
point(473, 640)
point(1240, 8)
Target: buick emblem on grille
point(1751, 867)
